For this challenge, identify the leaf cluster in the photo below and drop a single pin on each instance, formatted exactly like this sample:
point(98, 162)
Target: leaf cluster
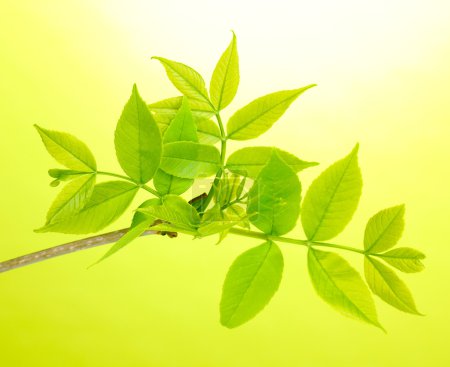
point(166, 146)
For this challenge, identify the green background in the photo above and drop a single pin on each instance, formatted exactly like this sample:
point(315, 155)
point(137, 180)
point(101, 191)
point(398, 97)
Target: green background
point(382, 74)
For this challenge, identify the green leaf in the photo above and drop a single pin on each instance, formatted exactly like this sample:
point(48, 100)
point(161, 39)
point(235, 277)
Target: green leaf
point(176, 211)
point(71, 199)
point(404, 259)
point(64, 175)
point(227, 189)
point(225, 78)
point(332, 199)
point(168, 184)
point(250, 161)
point(238, 213)
point(68, 150)
point(138, 140)
point(384, 229)
point(338, 284)
point(387, 285)
point(164, 111)
point(139, 225)
point(182, 128)
point(215, 221)
point(207, 131)
point(251, 282)
point(258, 116)
point(274, 199)
point(107, 203)
point(188, 81)
point(190, 160)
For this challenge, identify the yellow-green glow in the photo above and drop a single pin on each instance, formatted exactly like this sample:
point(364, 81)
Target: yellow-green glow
point(383, 76)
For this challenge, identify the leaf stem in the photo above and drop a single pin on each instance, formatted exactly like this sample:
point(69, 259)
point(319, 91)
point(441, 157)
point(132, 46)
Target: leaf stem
point(262, 236)
point(145, 187)
point(223, 152)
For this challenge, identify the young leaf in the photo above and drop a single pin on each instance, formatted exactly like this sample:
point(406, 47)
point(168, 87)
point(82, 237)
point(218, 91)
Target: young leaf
point(404, 259)
point(207, 131)
point(176, 211)
point(68, 150)
point(190, 160)
point(215, 221)
point(139, 225)
point(384, 229)
point(138, 140)
point(164, 111)
point(107, 203)
point(274, 199)
point(182, 128)
point(338, 284)
point(72, 198)
point(251, 282)
point(388, 286)
point(226, 190)
point(225, 78)
point(332, 199)
point(258, 116)
point(250, 161)
point(188, 81)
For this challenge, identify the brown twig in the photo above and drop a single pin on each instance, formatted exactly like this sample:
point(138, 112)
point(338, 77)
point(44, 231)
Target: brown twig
point(67, 248)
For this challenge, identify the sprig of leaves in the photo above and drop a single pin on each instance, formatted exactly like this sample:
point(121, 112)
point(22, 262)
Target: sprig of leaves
point(171, 143)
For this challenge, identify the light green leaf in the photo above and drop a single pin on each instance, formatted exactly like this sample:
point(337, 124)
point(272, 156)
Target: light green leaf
point(387, 285)
point(71, 199)
point(215, 221)
point(226, 189)
point(107, 203)
point(338, 284)
point(188, 81)
point(64, 175)
point(67, 150)
point(258, 116)
point(404, 259)
point(164, 111)
point(138, 140)
point(190, 160)
point(332, 199)
point(207, 131)
point(384, 229)
point(238, 213)
point(139, 225)
point(168, 184)
point(274, 199)
point(225, 78)
point(251, 282)
point(249, 161)
point(182, 128)
point(176, 211)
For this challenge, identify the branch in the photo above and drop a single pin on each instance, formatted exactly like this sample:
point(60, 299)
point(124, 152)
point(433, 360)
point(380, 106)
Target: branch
point(67, 248)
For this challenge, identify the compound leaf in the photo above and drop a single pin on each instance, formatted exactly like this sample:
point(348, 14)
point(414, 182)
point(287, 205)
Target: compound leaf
point(72, 198)
point(107, 203)
point(332, 199)
point(338, 284)
point(137, 140)
point(190, 160)
point(274, 199)
point(258, 116)
point(404, 259)
point(384, 229)
point(188, 81)
point(387, 285)
point(249, 161)
point(225, 78)
point(68, 150)
point(251, 282)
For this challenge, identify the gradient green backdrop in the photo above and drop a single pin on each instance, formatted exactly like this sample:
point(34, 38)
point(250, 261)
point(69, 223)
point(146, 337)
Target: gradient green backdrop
point(383, 73)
